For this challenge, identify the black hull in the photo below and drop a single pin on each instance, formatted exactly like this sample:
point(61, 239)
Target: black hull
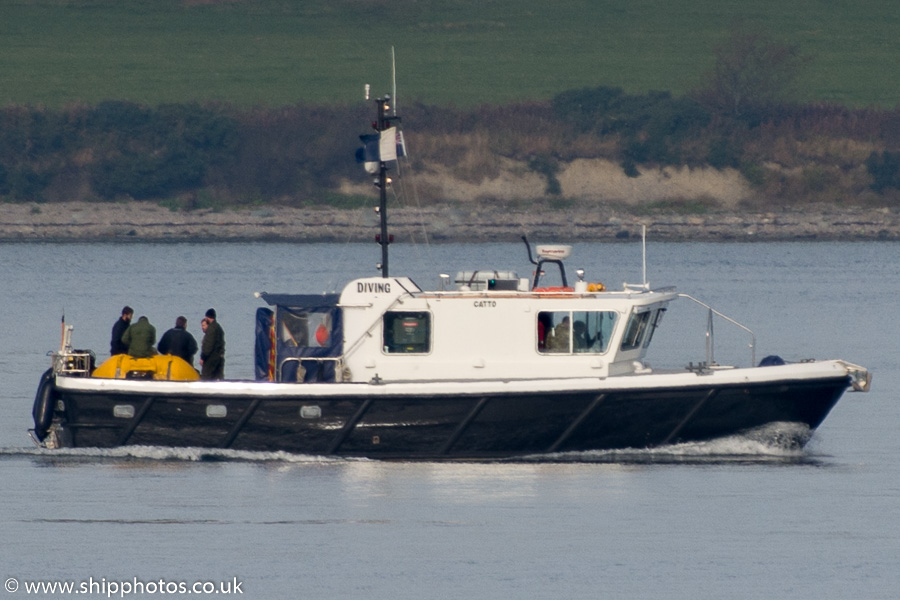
point(440, 427)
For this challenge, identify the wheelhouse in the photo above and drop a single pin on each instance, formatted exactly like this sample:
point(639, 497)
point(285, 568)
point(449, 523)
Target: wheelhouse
point(391, 330)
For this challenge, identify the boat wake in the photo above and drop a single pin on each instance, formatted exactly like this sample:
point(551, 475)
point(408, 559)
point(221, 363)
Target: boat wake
point(782, 442)
point(161, 453)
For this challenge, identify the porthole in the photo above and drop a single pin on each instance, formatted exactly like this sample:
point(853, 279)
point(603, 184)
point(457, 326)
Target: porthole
point(216, 411)
point(311, 412)
point(123, 411)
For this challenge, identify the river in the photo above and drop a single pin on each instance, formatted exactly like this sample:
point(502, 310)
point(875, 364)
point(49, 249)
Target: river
point(727, 519)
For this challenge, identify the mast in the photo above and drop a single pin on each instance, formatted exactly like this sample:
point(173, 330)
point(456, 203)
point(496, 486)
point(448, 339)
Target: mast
point(382, 124)
point(378, 149)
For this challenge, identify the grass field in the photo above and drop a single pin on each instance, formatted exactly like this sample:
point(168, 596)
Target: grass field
point(466, 52)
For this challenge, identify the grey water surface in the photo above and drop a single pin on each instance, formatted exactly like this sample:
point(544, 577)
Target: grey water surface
point(732, 518)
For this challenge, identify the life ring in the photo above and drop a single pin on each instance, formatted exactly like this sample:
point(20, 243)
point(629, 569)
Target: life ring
point(44, 404)
point(596, 287)
point(553, 289)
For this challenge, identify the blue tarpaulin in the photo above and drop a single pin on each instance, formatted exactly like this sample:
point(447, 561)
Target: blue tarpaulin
point(307, 330)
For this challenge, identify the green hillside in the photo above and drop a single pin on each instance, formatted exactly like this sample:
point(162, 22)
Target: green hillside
point(465, 52)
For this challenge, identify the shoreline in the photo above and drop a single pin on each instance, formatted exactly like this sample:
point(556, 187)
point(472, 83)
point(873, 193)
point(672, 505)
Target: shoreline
point(136, 222)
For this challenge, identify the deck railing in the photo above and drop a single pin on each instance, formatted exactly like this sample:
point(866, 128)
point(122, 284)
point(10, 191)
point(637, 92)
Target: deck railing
point(710, 333)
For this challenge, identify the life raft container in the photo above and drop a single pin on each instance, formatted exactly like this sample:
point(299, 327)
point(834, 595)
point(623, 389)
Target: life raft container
point(44, 404)
point(161, 367)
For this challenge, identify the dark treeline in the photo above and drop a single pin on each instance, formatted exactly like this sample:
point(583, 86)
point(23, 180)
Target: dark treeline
point(121, 150)
point(205, 155)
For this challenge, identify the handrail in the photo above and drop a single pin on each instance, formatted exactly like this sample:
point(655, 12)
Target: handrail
point(73, 362)
point(350, 349)
point(710, 336)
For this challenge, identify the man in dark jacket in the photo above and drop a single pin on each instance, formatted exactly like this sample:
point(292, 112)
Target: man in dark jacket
point(116, 346)
point(140, 338)
point(212, 349)
point(178, 341)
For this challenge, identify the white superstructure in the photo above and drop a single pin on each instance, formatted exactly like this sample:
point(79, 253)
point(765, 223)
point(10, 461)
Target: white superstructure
point(398, 332)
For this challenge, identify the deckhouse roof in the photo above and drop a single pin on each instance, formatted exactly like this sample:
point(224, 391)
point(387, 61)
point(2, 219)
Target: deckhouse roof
point(300, 300)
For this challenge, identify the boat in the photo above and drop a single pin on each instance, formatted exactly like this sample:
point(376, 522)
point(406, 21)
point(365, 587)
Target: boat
point(489, 365)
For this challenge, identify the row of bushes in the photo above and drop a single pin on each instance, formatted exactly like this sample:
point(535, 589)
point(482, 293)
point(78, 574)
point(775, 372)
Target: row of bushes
point(300, 154)
point(120, 149)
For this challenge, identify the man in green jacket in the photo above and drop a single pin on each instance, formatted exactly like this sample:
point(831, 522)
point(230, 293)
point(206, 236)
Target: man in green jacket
point(212, 349)
point(140, 337)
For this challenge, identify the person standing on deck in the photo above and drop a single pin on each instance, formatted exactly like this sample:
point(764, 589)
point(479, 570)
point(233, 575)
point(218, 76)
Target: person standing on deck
point(212, 349)
point(116, 345)
point(178, 341)
point(140, 338)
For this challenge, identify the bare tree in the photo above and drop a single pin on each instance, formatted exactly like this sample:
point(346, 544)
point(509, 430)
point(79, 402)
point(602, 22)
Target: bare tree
point(752, 72)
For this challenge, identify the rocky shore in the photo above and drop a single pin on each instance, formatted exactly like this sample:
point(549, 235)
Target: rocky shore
point(146, 222)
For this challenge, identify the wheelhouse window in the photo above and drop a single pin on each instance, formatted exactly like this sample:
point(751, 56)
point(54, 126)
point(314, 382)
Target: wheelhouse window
point(640, 324)
point(407, 332)
point(574, 332)
point(654, 323)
